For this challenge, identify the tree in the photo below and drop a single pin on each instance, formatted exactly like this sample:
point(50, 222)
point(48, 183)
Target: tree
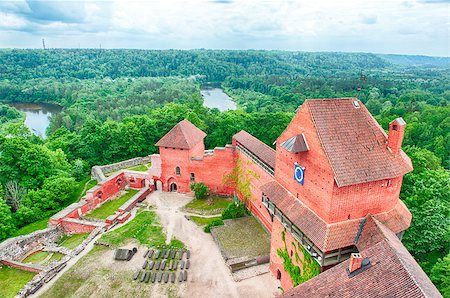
point(78, 169)
point(7, 226)
point(440, 275)
point(200, 190)
point(14, 194)
point(240, 179)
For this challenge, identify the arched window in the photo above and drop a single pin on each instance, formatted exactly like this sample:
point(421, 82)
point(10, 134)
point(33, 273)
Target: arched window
point(177, 171)
point(192, 177)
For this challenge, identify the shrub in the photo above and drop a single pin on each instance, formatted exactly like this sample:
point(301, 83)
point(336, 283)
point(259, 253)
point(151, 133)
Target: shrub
point(200, 190)
point(234, 211)
point(214, 223)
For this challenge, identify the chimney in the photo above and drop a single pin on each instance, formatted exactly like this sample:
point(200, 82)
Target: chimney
point(395, 135)
point(355, 262)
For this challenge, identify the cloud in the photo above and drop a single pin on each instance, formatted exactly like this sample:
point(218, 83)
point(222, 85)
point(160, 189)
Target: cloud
point(283, 24)
point(369, 19)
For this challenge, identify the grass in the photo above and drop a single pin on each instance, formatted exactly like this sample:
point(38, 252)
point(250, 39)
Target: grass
point(110, 206)
point(243, 237)
point(89, 185)
point(145, 228)
point(202, 205)
point(37, 257)
point(12, 280)
point(139, 168)
point(71, 281)
point(56, 256)
point(35, 226)
point(72, 241)
point(203, 221)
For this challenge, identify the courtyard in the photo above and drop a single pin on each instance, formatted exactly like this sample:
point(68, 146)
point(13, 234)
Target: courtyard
point(161, 222)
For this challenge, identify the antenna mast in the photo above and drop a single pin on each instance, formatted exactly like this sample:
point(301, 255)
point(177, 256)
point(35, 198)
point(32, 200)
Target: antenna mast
point(43, 43)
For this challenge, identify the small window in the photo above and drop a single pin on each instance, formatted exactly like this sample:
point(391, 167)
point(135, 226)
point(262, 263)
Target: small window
point(178, 171)
point(394, 127)
point(192, 177)
point(389, 182)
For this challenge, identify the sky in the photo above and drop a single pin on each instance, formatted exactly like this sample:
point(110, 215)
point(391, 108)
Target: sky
point(419, 27)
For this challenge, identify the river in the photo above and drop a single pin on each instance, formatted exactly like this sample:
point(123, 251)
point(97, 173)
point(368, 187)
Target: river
point(37, 115)
point(216, 98)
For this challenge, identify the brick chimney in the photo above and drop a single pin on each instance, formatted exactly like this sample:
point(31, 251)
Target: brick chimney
point(355, 262)
point(396, 134)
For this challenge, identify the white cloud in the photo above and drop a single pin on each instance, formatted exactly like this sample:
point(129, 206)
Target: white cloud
point(273, 24)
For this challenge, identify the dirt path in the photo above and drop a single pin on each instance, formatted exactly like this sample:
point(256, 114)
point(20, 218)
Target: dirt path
point(208, 275)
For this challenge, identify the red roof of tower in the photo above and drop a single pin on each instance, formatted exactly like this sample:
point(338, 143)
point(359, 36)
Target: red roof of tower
point(355, 144)
point(261, 150)
point(393, 272)
point(184, 135)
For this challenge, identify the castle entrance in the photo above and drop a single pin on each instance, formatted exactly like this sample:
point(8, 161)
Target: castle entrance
point(173, 187)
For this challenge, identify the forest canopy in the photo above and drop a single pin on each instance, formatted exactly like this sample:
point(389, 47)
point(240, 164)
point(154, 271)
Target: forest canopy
point(118, 103)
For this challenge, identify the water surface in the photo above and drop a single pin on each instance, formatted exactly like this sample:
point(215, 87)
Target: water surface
point(37, 115)
point(216, 98)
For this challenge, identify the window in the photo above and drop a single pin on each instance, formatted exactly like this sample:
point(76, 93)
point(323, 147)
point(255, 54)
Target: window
point(192, 177)
point(177, 171)
point(394, 127)
point(389, 182)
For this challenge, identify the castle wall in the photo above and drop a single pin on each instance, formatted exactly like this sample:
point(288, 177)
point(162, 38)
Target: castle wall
point(211, 169)
point(170, 159)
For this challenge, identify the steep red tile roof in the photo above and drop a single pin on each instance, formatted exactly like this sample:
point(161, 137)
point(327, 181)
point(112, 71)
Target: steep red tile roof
point(261, 150)
point(393, 272)
point(354, 142)
point(328, 237)
point(184, 135)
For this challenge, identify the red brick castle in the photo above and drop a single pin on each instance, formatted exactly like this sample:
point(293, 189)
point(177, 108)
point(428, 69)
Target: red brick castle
point(329, 195)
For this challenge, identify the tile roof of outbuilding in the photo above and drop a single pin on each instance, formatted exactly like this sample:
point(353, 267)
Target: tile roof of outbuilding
point(354, 142)
point(326, 236)
point(184, 135)
point(393, 271)
point(261, 150)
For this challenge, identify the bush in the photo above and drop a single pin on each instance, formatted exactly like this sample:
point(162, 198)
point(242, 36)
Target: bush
point(200, 190)
point(234, 211)
point(214, 223)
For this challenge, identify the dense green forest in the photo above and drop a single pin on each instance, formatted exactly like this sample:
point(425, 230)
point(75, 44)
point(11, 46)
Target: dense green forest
point(118, 103)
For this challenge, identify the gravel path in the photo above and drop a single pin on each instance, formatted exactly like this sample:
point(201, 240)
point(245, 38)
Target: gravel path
point(208, 274)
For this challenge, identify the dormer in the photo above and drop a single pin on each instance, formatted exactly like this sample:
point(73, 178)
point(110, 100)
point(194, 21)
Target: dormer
point(296, 144)
point(395, 135)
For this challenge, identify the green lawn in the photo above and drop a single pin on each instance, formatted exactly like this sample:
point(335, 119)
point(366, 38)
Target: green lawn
point(35, 226)
point(110, 206)
point(139, 168)
point(243, 237)
point(56, 256)
point(72, 241)
point(12, 280)
point(36, 257)
point(145, 228)
point(202, 205)
point(202, 221)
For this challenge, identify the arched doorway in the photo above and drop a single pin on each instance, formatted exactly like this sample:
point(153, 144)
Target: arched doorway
point(158, 185)
point(173, 187)
point(278, 274)
point(145, 182)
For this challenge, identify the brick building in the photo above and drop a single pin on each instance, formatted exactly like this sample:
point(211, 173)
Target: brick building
point(328, 193)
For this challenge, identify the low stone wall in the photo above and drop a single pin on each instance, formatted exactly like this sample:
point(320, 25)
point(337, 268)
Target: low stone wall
point(48, 274)
point(78, 226)
point(23, 266)
point(15, 248)
point(98, 172)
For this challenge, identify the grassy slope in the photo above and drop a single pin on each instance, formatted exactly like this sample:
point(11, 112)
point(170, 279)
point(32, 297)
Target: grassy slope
point(12, 280)
point(73, 240)
point(217, 203)
point(35, 226)
point(36, 257)
point(202, 221)
point(145, 228)
point(109, 207)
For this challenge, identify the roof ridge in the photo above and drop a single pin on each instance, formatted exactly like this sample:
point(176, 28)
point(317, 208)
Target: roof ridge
point(387, 240)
